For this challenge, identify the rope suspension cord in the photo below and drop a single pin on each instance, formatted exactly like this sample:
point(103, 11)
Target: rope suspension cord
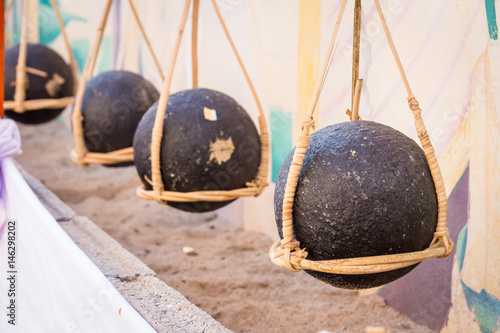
point(80, 155)
point(289, 243)
point(158, 194)
point(72, 61)
point(145, 36)
point(19, 104)
point(194, 42)
point(441, 229)
point(357, 83)
point(20, 93)
point(160, 113)
point(287, 252)
point(355, 60)
point(92, 59)
point(261, 178)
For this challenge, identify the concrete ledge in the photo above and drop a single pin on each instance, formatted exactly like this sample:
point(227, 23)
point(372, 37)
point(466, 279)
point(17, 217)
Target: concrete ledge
point(164, 308)
point(54, 205)
point(106, 253)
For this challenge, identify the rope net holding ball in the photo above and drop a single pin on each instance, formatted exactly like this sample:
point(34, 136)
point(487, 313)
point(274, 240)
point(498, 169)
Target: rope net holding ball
point(80, 154)
point(20, 104)
point(253, 188)
point(287, 252)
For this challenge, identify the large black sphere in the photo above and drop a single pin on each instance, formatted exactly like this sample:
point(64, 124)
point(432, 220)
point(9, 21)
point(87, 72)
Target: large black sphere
point(58, 83)
point(365, 189)
point(113, 104)
point(199, 154)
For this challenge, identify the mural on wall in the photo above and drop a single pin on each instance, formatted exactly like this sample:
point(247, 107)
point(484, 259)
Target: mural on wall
point(463, 293)
point(475, 275)
point(47, 28)
point(80, 20)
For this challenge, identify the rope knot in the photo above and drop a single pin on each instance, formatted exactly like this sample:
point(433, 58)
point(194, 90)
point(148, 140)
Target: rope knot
point(444, 236)
point(442, 233)
point(19, 108)
point(78, 159)
point(292, 245)
point(308, 123)
point(258, 185)
point(301, 254)
point(157, 190)
point(413, 103)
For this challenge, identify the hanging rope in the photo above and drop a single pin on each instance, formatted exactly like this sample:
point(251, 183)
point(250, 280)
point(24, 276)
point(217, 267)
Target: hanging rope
point(357, 83)
point(80, 155)
point(356, 46)
point(20, 92)
point(356, 98)
point(194, 42)
point(289, 243)
point(146, 39)
point(72, 61)
point(287, 252)
point(441, 230)
point(19, 104)
point(158, 194)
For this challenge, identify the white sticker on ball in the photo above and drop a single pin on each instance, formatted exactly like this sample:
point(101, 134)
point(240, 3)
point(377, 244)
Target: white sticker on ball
point(210, 114)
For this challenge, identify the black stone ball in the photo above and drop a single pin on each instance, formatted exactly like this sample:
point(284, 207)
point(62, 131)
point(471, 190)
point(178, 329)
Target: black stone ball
point(57, 84)
point(112, 106)
point(199, 154)
point(365, 189)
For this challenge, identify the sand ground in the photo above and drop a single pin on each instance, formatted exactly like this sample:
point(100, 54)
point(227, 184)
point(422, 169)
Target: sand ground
point(231, 276)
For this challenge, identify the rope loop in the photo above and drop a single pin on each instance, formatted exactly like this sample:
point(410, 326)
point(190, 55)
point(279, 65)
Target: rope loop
point(291, 248)
point(79, 117)
point(308, 124)
point(444, 237)
point(259, 183)
point(290, 242)
point(413, 103)
point(19, 108)
point(287, 261)
point(157, 195)
point(78, 159)
point(299, 255)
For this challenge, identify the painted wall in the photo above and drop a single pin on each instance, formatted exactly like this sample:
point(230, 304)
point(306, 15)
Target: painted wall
point(475, 277)
point(451, 54)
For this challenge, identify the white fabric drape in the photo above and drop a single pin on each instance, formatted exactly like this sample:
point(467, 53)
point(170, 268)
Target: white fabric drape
point(57, 287)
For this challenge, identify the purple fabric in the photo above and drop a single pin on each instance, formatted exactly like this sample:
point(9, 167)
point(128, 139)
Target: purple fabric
point(10, 145)
point(10, 139)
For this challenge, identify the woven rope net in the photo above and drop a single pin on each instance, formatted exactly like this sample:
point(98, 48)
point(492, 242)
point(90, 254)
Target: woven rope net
point(20, 104)
point(287, 252)
point(80, 154)
point(158, 193)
